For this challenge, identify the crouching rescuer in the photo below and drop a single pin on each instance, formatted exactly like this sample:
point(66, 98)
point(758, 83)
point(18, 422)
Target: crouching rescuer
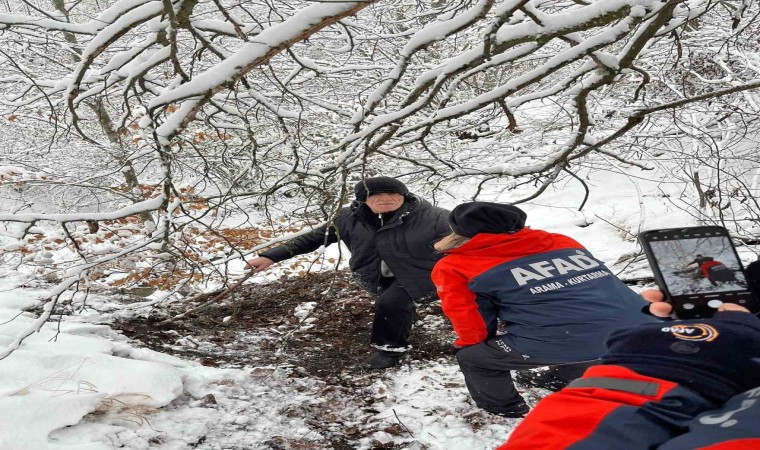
point(557, 303)
point(676, 385)
point(389, 233)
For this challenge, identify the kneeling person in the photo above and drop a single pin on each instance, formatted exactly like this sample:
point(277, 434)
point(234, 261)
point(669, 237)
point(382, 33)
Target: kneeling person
point(557, 301)
point(388, 231)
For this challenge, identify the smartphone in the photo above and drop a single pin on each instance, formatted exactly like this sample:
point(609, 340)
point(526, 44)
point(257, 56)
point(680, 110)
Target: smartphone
point(698, 269)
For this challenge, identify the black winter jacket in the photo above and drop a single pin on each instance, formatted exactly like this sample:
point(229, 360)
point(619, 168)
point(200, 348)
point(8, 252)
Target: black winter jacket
point(404, 243)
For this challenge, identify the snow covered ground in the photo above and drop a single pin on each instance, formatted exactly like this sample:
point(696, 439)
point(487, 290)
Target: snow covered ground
point(83, 386)
point(78, 384)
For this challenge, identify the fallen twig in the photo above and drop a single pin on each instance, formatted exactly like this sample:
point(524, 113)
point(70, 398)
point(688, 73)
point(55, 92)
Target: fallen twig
point(402, 424)
point(215, 299)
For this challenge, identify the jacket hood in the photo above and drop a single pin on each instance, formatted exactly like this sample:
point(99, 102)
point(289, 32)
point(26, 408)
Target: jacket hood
point(524, 242)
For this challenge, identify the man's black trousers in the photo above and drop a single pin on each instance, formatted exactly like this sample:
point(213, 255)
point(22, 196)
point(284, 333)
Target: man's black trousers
point(486, 368)
point(394, 316)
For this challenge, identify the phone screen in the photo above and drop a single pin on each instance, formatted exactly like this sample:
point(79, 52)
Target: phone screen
point(698, 269)
point(697, 264)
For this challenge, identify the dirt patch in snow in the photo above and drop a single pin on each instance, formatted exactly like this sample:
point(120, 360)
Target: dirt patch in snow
point(319, 323)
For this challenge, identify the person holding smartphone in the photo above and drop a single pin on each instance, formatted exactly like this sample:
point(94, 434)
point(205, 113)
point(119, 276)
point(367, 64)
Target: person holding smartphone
point(719, 276)
point(556, 301)
point(674, 385)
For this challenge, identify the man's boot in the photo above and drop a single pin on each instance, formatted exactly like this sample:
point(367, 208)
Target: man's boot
point(519, 409)
point(381, 359)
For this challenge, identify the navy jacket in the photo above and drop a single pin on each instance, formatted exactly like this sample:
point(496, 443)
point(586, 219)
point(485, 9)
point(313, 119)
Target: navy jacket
point(559, 303)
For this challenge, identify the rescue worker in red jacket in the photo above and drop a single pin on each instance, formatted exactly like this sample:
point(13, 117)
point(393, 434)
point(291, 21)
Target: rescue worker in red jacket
point(678, 385)
point(715, 271)
point(557, 302)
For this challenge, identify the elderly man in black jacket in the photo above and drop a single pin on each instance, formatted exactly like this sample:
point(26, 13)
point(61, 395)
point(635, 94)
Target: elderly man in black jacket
point(390, 234)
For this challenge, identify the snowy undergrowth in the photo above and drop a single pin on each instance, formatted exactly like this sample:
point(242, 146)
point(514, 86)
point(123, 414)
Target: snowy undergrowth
point(79, 385)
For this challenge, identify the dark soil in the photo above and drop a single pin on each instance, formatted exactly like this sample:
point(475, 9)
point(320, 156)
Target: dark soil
point(332, 339)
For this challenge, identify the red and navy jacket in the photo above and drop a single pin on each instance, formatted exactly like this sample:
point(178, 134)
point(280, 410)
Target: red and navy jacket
point(557, 300)
point(614, 408)
point(705, 267)
point(732, 427)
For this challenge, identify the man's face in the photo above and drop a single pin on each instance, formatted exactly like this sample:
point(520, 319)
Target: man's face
point(384, 202)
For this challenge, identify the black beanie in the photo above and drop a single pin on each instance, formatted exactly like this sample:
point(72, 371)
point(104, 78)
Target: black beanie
point(469, 219)
point(379, 185)
point(717, 357)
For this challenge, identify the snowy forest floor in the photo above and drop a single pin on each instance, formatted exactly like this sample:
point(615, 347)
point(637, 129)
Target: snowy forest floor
point(314, 329)
point(318, 323)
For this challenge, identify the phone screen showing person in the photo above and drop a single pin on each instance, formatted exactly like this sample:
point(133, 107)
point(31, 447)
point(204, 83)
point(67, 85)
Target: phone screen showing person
point(697, 268)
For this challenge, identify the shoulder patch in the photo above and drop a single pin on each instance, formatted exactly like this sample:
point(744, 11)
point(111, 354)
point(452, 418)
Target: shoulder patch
point(693, 332)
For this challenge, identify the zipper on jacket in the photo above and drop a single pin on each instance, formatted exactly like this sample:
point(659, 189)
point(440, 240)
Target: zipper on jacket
point(399, 219)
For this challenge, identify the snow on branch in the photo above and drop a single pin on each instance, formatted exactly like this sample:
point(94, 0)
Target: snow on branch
point(74, 276)
point(131, 210)
point(267, 44)
point(91, 27)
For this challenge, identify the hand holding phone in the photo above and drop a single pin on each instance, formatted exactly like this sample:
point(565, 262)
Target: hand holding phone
point(697, 269)
point(658, 307)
